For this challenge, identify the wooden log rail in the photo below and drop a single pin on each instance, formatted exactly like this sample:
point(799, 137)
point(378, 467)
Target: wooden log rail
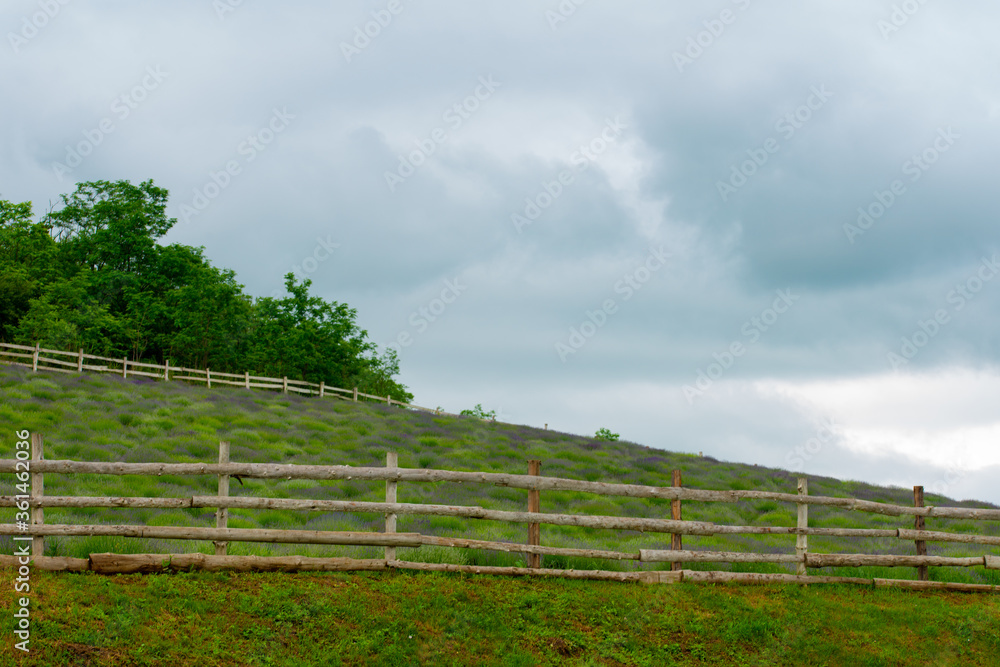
point(476, 512)
point(150, 563)
point(530, 482)
point(221, 534)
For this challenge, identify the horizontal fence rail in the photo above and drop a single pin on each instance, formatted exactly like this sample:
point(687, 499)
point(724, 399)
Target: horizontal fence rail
point(32, 358)
point(530, 482)
point(31, 525)
point(475, 512)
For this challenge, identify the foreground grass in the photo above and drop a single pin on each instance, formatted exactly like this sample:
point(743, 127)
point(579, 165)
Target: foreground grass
point(399, 618)
point(93, 417)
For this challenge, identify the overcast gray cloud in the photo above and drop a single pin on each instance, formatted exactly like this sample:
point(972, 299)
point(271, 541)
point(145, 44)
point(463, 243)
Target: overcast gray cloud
point(700, 225)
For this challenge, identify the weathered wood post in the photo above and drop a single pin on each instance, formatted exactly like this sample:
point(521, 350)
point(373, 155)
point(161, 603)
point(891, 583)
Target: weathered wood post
point(79, 362)
point(246, 379)
point(391, 461)
point(37, 493)
point(322, 388)
point(166, 371)
point(534, 505)
point(284, 384)
point(676, 541)
point(222, 513)
point(355, 394)
point(918, 524)
point(801, 539)
point(34, 357)
point(208, 377)
point(124, 367)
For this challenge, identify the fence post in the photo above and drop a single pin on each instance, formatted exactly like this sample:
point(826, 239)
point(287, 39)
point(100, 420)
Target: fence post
point(208, 377)
point(391, 461)
point(79, 362)
point(34, 357)
point(322, 387)
point(222, 513)
point(801, 539)
point(534, 505)
point(166, 371)
point(388, 401)
point(37, 492)
point(284, 384)
point(918, 524)
point(124, 367)
point(246, 379)
point(355, 394)
point(676, 541)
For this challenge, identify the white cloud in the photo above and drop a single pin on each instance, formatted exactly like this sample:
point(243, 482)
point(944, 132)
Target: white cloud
point(325, 178)
point(946, 418)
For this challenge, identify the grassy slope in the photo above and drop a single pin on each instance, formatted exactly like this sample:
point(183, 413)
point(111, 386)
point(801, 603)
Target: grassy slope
point(399, 618)
point(100, 417)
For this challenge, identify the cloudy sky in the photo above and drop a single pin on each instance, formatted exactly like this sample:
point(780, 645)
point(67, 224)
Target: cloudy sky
point(762, 231)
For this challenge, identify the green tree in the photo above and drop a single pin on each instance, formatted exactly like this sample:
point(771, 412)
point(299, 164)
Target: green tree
point(93, 275)
point(377, 378)
point(67, 317)
point(307, 338)
point(28, 260)
point(112, 226)
point(605, 434)
point(479, 413)
point(210, 317)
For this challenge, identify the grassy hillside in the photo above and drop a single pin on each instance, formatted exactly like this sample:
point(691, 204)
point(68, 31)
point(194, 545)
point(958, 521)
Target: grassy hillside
point(105, 418)
point(402, 619)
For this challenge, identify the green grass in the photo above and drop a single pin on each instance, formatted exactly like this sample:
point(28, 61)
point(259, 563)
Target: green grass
point(400, 618)
point(403, 618)
point(105, 418)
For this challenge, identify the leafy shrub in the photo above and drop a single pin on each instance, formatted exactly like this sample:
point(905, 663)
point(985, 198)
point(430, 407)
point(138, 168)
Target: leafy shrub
point(480, 413)
point(606, 435)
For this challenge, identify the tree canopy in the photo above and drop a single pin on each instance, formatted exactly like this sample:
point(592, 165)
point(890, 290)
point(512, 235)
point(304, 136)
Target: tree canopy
point(92, 275)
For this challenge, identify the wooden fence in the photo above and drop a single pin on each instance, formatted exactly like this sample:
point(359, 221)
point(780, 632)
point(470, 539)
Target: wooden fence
point(30, 466)
point(32, 357)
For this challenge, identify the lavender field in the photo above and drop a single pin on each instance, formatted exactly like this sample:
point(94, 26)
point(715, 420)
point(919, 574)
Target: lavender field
point(104, 418)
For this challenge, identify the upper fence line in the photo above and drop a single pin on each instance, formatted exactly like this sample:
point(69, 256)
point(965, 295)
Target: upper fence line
point(166, 372)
